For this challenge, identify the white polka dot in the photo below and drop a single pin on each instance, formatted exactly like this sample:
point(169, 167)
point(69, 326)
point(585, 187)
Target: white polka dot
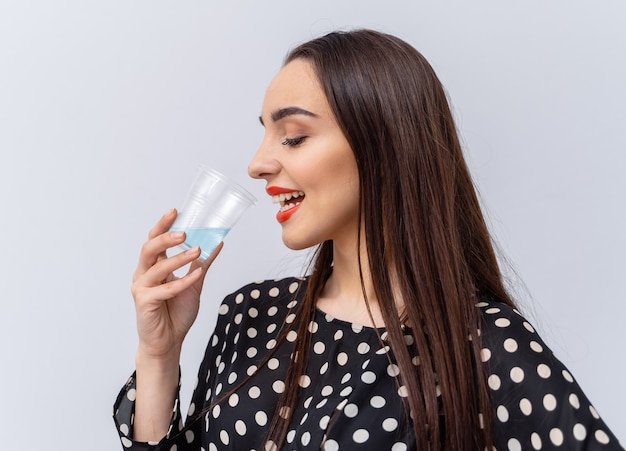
point(253, 312)
point(338, 335)
point(278, 386)
point(502, 322)
point(223, 309)
point(549, 402)
point(514, 445)
point(594, 412)
point(254, 294)
point(304, 381)
point(251, 352)
point(393, 370)
point(556, 436)
point(174, 448)
point(399, 446)
point(238, 318)
point(232, 377)
point(494, 382)
point(342, 404)
point(192, 409)
point(567, 376)
point(319, 348)
point(342, 358)
point(131, 394)
point(346, 377)
point(503, 414)
point(525, 406)
point(528, 327)
point(271, 344)
point(535, 440)
point(363, 348)
point(322, 403)
point(517, 374)
point(289, 319)
point(346, 391)
point(485, 354)
point(271, 328)
point(360, 436)
point(536, 347)
point(224, 437)
point(233, 400)
point(324, 422)
point(313, 327)
point(390, 424)
point(240, 427)
point(492, 310)
point(273, 363)
point(291, 336)
point(304, 418)
point(331, 445)
point(409, 340)
point(126, 442)
point(324, 368)
point(273, 310)
point(510, 345)
point(251, 370)
point(307, 402)
point(274, 292)
point(403, 391)
point(327, 390)
point(543, 371)
point(254, 392)
point(357, 328)
point(216, 411)
point(306, 438)
point(377, 402)
point(271, 446)
point(251, 332)
point(573, 400)
point(292, 304)
point(601, 437)
point(293, 287)
point(124, 429)
point(368, 377)
point(580, 433)
point(351, 410)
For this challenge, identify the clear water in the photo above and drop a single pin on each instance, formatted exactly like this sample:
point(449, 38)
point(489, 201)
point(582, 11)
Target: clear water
point(207, 239)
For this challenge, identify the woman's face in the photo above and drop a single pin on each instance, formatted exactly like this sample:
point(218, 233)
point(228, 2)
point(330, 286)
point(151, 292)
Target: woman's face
point(306, 161)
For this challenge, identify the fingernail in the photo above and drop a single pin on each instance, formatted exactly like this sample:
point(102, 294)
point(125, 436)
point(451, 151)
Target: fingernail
point(193, 250)
point(176, 235)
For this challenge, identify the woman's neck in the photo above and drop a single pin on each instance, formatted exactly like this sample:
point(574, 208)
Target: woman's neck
point(343, 294)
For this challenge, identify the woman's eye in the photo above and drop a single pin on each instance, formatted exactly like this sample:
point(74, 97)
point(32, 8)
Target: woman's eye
point(293, 142)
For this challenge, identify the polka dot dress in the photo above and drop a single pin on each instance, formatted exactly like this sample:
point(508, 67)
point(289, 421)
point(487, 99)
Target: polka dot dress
point(350, 398)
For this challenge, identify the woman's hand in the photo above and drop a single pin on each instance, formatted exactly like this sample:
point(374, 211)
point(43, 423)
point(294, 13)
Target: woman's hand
point(166, 305)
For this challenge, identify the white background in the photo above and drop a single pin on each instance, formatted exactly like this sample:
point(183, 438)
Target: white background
point(107, 107)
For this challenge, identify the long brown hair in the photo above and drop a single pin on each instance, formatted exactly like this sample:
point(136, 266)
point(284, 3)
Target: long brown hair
point(427, 242)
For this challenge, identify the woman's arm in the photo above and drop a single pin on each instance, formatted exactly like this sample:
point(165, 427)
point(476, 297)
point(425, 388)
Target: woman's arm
point(166, 307)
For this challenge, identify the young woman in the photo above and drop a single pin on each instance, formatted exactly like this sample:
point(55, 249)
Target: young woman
point(403, 336)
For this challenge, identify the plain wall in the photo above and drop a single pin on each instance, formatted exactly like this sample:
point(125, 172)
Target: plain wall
point(107, 107)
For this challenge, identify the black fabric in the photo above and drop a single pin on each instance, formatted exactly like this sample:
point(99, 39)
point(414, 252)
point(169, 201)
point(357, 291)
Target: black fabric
point(350, 396)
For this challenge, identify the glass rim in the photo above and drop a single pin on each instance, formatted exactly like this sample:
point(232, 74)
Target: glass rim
point(236, 186)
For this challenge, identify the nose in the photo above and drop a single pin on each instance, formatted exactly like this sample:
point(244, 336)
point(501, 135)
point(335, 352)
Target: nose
point(264, 164)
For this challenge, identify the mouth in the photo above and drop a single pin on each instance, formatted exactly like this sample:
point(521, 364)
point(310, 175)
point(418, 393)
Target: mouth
point(289, 200)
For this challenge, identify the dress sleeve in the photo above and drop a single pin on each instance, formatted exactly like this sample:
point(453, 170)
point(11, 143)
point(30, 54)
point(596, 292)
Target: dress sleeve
point(181, 435)
point(123, 415)
point(538, 405)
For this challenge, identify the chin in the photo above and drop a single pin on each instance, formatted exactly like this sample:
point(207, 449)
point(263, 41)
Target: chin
point(298, 245)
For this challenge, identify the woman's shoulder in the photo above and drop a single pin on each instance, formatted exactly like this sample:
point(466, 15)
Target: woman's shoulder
point(536, 399)
point(270, 295)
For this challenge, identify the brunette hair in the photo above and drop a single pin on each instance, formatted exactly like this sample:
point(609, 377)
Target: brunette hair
point(427, 242)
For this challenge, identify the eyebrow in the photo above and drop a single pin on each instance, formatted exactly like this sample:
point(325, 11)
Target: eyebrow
point(282, 113)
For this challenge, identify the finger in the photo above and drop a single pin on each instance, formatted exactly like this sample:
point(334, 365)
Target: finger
point(164, 224)
point(169, 290)
point(162, 270)
point(209, 261)
point(154, 250)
